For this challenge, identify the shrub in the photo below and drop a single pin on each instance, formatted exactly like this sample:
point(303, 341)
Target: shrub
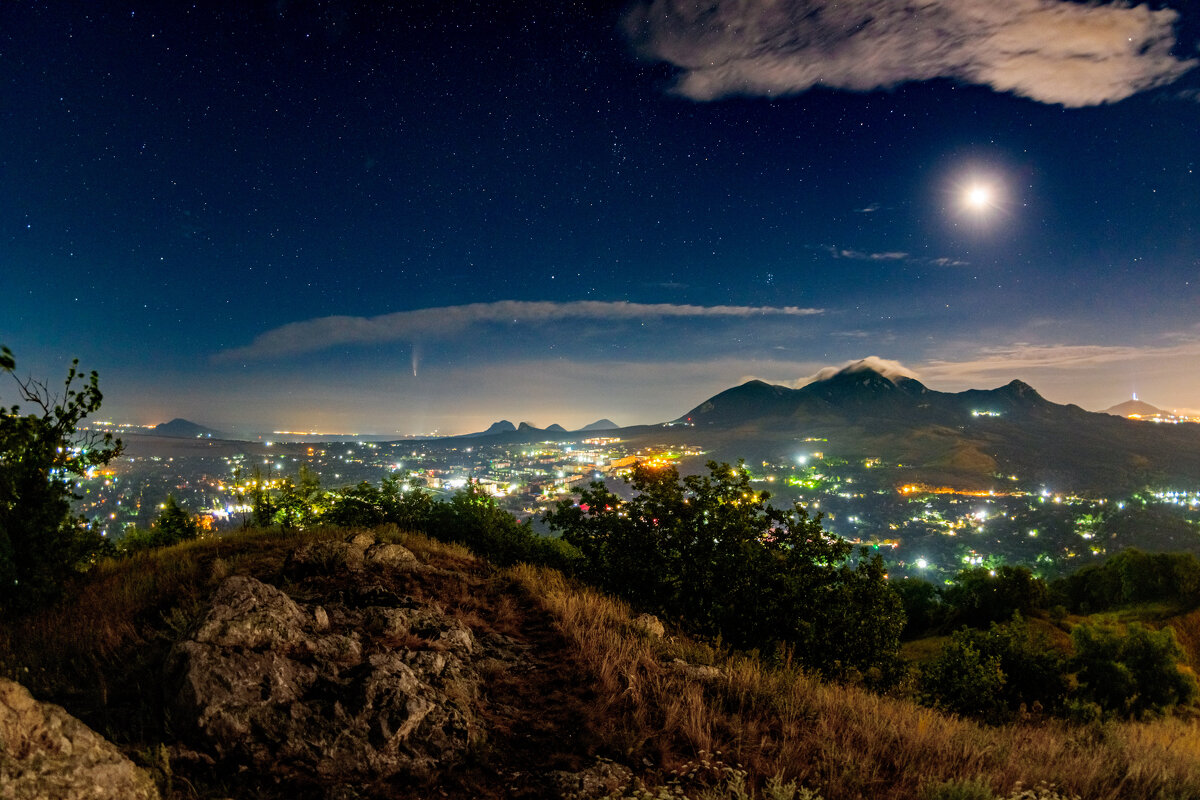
point(709, 551)
point(994, 674)
point(1131, 577)
point(981, 596)
point(1132, 674)
point(41, 454)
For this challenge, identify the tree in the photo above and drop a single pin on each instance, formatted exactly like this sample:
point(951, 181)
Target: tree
point(1131, 674)
point(981, 596)
point(298, 503)
point(175, 525)
point(710, 552)
point(996, 673)
point(41, 455)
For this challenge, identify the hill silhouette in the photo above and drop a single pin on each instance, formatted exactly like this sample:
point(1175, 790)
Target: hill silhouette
point(965, 438)
point(180, 428)
point(1135, 407)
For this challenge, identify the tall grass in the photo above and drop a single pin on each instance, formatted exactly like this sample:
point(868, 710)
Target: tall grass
point(100, 653)
point(840, 740)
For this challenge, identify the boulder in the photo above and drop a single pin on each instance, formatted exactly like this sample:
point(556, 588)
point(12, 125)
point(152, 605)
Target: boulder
point(47, 753)
point(394, 556)
point(649, 625)
point(699, 672)
point(332, 693)
point(361, 539)
point(325, 557)
point(603, 779)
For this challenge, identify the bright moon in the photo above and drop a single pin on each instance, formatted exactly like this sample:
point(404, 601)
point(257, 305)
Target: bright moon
point(979, 197)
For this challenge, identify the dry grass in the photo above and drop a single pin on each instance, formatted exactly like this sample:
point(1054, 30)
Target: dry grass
point(842, 741)
point(594, 684)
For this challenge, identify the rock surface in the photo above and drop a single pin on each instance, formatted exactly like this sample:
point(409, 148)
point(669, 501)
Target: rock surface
point(650, 625)
point(603, 779)
point(356, 689)
point(47, 753)
point(698, 672)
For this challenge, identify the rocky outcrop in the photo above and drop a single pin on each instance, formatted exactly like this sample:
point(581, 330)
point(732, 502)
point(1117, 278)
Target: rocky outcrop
point(47, 753)
point(698, 672)
point(649, 625)
point(365, 686)
point(356, 552)
point(603, 779)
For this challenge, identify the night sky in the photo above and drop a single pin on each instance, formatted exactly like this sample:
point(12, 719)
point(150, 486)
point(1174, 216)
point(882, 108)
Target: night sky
point(375, 217)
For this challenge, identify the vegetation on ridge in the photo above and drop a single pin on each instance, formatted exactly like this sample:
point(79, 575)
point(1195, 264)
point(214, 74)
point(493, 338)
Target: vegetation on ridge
point(41, 541)
point(702, 720)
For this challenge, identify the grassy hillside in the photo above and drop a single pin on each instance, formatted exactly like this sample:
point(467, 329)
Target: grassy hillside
point(596, 685)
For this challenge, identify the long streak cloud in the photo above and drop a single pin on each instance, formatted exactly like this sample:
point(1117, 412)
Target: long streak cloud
point(438, 323)
point(1051, 51)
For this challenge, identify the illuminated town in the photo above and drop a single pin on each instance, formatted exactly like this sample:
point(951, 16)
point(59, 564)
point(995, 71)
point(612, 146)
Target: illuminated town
point(920, 529)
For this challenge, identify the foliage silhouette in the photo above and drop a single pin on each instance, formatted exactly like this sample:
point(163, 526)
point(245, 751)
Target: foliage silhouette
point(710, 552)
point(41, 455)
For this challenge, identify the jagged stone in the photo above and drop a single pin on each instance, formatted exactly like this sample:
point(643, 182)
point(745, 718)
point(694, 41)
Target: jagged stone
point(649, 625)
point(365, 693)
point(394, 556)
point(361, 539)
point(603, 779)
point(325, 557)
point(700, 672)
point(47, 753)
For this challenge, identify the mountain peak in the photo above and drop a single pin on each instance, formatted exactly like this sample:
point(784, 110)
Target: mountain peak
point(1021, 390)
point(601, 425)
point(185, 429)
point(1135, 407)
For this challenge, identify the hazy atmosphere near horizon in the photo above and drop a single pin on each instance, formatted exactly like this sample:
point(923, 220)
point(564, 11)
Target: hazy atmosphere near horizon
point(402, 217)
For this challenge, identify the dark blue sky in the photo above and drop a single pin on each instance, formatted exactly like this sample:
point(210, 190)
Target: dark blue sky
point(672, 202)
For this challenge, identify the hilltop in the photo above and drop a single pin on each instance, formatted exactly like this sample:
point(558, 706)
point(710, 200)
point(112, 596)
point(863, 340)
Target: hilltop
point(496, 683)
point(966, 439)
point(180, 428)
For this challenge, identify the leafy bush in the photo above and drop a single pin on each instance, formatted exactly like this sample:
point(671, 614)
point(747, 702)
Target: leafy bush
point(993, 674)
point(708, 551)
point(41, 542)
point(1132, 674)
point(924, 610)
point(1130, 577)
point(173, 525)
point(473, 518)
point(981, 596)
point(963, 789)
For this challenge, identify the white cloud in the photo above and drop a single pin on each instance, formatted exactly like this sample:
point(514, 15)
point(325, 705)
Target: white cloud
point(438, 323)
point(890, 255)
point(884, 366)
point(1020, 358)
point(1051, 51)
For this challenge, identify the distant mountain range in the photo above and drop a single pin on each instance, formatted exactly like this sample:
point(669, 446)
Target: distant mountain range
point(972, 439)
point(183, 429)
point(1135, 407)
point(504, 428)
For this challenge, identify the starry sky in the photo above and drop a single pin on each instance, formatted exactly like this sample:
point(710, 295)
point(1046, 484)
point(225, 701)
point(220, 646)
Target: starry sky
point(401, 217)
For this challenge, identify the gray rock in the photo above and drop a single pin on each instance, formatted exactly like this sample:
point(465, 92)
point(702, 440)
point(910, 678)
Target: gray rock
point(395, 556)
point(326, 557)
point(47, 753)
point(699, 672)
point(362, 540)
point(649, 625)
point(359, 695)
point(603, 779)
